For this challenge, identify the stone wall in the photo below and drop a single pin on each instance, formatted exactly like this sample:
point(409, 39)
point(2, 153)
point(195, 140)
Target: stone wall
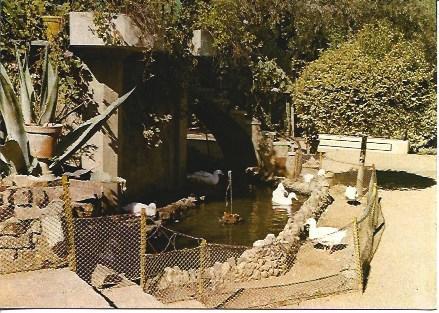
point(32, 224)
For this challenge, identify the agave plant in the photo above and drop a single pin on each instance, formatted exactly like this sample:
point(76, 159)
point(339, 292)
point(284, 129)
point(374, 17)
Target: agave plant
point(25, 110)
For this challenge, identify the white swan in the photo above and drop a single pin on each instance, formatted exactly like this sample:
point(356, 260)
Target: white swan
point(279, 191)
point(308, 177)
point(136, 208)
point(321, 172)
point(351, 193)
point(282, 200)
point(205, 177)
point(327, 236)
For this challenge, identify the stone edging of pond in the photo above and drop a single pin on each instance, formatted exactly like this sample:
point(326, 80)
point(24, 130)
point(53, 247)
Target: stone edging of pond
point(270, 257)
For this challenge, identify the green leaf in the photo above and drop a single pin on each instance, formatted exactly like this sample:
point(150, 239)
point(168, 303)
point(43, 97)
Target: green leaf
point(27, 92)
point(12, 116)
point(79, 136)
point(52, 95)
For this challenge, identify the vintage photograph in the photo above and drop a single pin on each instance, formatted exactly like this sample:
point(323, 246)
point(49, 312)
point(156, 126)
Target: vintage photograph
point(218, 154)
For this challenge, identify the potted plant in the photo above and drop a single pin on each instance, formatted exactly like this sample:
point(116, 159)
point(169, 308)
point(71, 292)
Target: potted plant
point(38, 116)
point(54, 21)
point(31, 132)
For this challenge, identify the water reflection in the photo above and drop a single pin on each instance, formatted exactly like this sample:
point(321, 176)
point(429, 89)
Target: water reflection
point(254, 206)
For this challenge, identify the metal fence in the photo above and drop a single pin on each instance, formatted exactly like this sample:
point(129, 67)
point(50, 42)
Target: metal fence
point(32, 228)
point(39, 230)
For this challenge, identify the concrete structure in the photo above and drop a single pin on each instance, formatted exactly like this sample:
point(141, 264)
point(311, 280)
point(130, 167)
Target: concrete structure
point(121, 149)
point(331, 142)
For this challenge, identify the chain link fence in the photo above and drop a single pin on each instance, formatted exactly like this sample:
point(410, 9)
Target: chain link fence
point(32, 228)
point(39, 229)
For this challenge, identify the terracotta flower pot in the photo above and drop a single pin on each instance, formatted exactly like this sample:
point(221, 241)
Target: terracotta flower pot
point(53, 25)
point(42, 139)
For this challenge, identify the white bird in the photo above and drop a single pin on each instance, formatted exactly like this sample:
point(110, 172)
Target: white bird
point(280, 191)
point(282, 200)
point(351, 193)
point(136, 208)
point(308, 177)
point(321, 172)
point(326, 236)
point(205, 177)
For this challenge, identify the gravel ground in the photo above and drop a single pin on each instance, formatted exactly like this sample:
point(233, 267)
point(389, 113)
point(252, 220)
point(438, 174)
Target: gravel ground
point(403, 271)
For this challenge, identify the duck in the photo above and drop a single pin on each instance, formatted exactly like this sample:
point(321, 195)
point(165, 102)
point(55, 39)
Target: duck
point(205, 178)
point(326, 236)
point(321, 172)
point(136, 208)
point(282, 200)
point(351, 193)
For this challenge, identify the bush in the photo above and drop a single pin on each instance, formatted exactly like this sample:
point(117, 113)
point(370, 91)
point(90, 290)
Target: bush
point(378, 83)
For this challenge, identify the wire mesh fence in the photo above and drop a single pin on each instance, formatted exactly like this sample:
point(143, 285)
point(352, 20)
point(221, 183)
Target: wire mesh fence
point(38, 229)
point(32, 228)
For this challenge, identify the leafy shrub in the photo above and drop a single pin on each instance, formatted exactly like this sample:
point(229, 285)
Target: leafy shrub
point(379, 83)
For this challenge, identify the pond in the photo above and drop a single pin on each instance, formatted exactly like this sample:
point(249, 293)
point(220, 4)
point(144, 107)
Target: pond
point(254, 206)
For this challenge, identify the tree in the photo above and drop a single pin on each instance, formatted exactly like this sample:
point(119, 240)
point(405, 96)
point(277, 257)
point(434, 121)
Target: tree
point(378, 83)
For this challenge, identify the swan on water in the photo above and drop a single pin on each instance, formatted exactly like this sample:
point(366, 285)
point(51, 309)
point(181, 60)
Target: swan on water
point(206, 178)
point(280, 199)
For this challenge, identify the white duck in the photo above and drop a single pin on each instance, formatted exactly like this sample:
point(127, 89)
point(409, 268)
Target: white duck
point(327, 236)
point(282, 200)
point(351, 193)
point(321, 172)
point(308, 177)
point(205, 177)
point(136, 208)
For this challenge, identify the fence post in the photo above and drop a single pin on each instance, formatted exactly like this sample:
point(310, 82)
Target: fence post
point(143, 243)
point(358, 254)
point(360, 175)
point(203, 256)
point(69, 223)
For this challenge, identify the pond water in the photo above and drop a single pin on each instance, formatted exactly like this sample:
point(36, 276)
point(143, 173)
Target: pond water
point(253, 204)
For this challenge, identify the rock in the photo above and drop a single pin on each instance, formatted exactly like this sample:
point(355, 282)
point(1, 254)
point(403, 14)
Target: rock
point(52, 230)
point(259, 243)
point(276, 272)
point(10, 242)
point(35, 227)
point(103, 276)
point(269, 239)
point(6, 212)
point(270, 271)
point(231, 261)
point(27, 213)
point(12, 227)
point(256, 275)
point(225, 269)
point(264, 274)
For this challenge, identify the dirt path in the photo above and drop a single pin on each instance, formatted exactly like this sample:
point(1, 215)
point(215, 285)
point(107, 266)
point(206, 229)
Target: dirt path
point(403, 271)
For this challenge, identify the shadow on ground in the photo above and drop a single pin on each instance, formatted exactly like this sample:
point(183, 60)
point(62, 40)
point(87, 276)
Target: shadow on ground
point(388, 180)
point(400, 180)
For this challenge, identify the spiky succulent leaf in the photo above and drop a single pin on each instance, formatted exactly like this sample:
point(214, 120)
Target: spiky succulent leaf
point(48, 110)
point(27, 92)
point(79, 136)
point(12, 115)
point(13, 155)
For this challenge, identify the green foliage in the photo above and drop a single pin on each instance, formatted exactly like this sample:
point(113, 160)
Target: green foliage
point(379, 83)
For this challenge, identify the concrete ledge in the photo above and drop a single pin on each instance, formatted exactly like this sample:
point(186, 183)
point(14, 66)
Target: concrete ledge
point(83, 33)
point(339, 142)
